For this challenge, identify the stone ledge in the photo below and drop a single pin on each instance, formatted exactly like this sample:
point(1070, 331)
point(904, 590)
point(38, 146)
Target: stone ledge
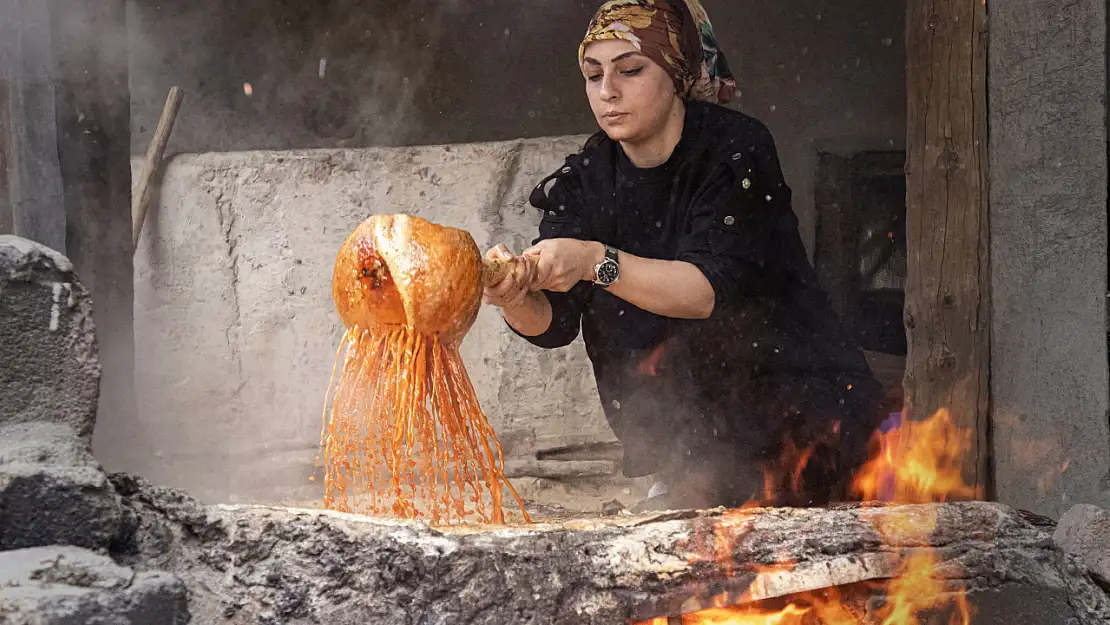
point(299, 566)
point(67, 585)
point(52, 490)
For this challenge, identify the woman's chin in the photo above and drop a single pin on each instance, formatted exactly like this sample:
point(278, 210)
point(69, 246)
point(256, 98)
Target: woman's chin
point(619, 132)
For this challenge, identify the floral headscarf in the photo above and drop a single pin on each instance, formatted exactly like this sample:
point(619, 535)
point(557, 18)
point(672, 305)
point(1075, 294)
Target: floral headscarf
point(677, 35)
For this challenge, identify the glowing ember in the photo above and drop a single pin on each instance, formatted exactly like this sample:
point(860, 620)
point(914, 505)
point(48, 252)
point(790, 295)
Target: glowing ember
point(650, 365)
point(403, 432)
point(918, 463)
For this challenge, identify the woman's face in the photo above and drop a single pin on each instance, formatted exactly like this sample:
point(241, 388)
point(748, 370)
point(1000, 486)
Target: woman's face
point(631, 96)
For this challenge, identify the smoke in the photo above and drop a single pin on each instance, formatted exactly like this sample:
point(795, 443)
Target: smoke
point(353, 73)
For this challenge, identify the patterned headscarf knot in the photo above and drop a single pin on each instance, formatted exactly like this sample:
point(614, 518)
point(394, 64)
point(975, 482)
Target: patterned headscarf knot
point(677, 35)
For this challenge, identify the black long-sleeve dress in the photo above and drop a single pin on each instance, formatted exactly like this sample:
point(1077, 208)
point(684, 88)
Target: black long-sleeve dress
point(770, 376)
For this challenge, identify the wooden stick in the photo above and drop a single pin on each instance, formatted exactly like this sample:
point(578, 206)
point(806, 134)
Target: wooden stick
point(494, 270)
point(140, 201)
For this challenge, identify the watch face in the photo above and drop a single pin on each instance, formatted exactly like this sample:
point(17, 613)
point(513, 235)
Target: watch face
point(607, 272)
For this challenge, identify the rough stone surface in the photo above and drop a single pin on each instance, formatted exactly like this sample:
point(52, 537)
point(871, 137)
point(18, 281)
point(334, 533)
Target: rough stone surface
point(1050, 388)
point(236, 331)
point(1084, 532)
point(49, 370)
point(72, 586)
point(275, 565)
point(52, 491)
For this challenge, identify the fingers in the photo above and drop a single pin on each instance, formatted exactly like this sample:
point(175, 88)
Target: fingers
point(499, 252)
point(511, 290)
point(503, 291)
point(524, 271)
point(555, 264)
point(541, 258)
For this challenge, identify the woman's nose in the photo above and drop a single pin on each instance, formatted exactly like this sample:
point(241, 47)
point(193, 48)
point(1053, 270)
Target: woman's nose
point(608, 89)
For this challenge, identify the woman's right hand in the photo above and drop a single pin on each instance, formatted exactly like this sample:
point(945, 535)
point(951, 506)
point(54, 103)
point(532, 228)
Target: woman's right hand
point(513, 289)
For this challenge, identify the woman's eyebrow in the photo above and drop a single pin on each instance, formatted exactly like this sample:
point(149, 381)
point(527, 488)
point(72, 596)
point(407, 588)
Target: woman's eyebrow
point(615, 59)
point(621, 57)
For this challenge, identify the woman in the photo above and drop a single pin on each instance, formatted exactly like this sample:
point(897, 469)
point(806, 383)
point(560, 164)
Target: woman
point(670, 241)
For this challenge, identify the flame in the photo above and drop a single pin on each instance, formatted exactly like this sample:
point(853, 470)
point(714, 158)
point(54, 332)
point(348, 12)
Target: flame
point(914, 463)
point(790, 615)
point(782, 477)
point(825, 608)
point(922, 461)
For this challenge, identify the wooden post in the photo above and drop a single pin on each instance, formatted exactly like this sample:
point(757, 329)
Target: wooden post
point(93, 115)
point(948, 288)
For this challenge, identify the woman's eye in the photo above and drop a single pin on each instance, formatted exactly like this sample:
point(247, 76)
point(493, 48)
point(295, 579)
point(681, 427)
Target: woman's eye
point(634, 71)
point(594, 78)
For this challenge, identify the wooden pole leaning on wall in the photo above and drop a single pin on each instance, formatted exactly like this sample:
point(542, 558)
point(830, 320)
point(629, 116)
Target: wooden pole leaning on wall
point(947, 312)
point(140, 200)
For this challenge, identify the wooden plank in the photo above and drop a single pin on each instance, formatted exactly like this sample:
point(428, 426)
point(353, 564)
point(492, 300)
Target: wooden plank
point(948, 286)
point(93, 113)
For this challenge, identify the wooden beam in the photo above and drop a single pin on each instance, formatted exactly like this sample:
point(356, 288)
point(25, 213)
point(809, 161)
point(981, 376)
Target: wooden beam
point(948, 288)
point(93, 118)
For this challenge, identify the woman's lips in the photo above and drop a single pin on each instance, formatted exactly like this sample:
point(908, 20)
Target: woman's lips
point(614, 117)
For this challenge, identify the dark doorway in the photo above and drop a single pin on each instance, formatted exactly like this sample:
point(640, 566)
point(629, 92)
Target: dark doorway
point(860, 251)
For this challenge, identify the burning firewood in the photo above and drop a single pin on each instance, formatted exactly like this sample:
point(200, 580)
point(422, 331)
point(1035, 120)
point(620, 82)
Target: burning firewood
point(403, 432)
point(313, 566)
point(917, 463)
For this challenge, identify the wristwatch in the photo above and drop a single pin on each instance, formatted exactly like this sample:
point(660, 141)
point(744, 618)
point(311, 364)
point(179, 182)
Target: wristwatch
point(608, 271)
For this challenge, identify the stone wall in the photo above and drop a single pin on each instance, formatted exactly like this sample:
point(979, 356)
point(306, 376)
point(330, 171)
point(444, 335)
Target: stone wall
point(236, 331)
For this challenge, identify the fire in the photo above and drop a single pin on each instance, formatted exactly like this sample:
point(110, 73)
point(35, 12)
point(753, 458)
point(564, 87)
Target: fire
point(815, 608)
point(916, 463)
point(790, 615)
point(921, 461)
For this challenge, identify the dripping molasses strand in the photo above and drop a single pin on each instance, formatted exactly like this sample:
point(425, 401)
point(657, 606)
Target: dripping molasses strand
point(406, 434)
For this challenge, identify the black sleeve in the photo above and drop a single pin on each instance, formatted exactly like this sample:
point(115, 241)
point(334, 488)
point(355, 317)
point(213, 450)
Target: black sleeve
point(735, 218)
point(559, 197)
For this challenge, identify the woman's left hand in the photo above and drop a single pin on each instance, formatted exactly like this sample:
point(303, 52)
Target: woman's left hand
point(563, 263)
